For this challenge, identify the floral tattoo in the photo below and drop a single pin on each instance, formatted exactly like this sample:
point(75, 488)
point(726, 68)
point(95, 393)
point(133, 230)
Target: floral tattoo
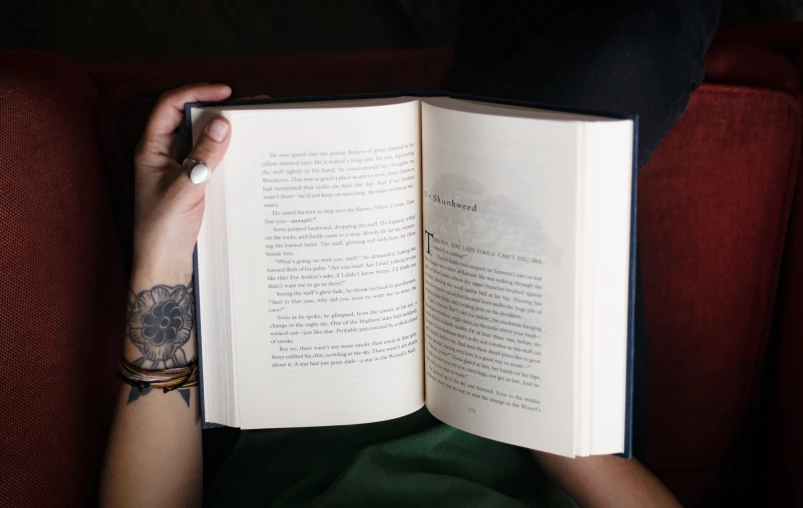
point(160, 322)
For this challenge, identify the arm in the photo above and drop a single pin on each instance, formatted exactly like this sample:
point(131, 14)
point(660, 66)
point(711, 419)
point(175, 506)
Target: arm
point(153, 456)
point(606, 481)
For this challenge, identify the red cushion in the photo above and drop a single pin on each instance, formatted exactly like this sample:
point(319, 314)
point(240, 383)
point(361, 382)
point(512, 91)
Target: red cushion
point(62, 295)
point(749, 66)
point(784, 39)
point(713, 205)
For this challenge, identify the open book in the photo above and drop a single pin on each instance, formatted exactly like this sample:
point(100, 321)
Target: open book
point(361, 258)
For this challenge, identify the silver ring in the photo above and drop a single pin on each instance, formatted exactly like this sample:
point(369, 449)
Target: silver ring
point(197, 171)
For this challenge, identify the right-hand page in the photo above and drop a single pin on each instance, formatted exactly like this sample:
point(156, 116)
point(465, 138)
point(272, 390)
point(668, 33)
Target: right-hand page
point(499, 247)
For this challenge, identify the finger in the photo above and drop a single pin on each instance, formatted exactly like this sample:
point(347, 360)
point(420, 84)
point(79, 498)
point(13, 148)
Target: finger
point(168, 114)
point(210, 148)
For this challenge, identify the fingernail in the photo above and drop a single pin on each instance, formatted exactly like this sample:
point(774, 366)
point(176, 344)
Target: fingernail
point(217, 130)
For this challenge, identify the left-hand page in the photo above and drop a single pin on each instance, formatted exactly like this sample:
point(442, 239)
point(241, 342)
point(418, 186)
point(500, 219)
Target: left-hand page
point(322, 226)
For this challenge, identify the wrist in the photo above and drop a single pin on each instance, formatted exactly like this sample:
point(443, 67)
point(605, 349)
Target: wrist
point(146, 275)
point(162, 262)
point(161, 317)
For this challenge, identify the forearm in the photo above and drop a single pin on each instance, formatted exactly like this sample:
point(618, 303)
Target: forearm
point(153, 457)
point(154, 453)
point(606, 481)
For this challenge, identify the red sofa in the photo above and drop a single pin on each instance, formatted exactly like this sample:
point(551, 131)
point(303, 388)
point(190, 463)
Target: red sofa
point(725, 394)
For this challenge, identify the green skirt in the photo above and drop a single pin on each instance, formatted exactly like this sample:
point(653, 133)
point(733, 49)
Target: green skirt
point(410, 461)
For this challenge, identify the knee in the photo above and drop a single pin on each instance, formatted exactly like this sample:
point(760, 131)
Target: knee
point(664, 44)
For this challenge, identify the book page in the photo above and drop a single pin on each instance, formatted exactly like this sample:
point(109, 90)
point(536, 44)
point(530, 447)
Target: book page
point(499, 242)
point(324, 232)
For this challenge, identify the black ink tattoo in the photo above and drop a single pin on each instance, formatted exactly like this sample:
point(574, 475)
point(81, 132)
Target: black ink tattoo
point(160, 322)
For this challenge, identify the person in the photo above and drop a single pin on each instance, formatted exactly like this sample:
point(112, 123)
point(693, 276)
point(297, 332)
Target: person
point(635, 56)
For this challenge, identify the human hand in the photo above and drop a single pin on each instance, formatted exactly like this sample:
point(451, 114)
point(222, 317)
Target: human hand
point(168, 205)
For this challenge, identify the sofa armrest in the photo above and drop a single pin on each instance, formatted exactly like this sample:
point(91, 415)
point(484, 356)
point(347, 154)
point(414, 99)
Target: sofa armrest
point(785, 444)
point(61, 285)
point(713, 208)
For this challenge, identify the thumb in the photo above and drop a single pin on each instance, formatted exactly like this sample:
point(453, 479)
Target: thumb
point(208, 150)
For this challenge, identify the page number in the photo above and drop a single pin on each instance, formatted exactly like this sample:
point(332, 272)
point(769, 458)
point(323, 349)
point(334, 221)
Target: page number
point(472, 410)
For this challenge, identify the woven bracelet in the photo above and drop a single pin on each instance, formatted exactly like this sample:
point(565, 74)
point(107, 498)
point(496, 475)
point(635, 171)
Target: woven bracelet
point(167, 380)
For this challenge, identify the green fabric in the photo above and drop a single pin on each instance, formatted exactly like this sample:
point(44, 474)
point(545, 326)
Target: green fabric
point(411, 461)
